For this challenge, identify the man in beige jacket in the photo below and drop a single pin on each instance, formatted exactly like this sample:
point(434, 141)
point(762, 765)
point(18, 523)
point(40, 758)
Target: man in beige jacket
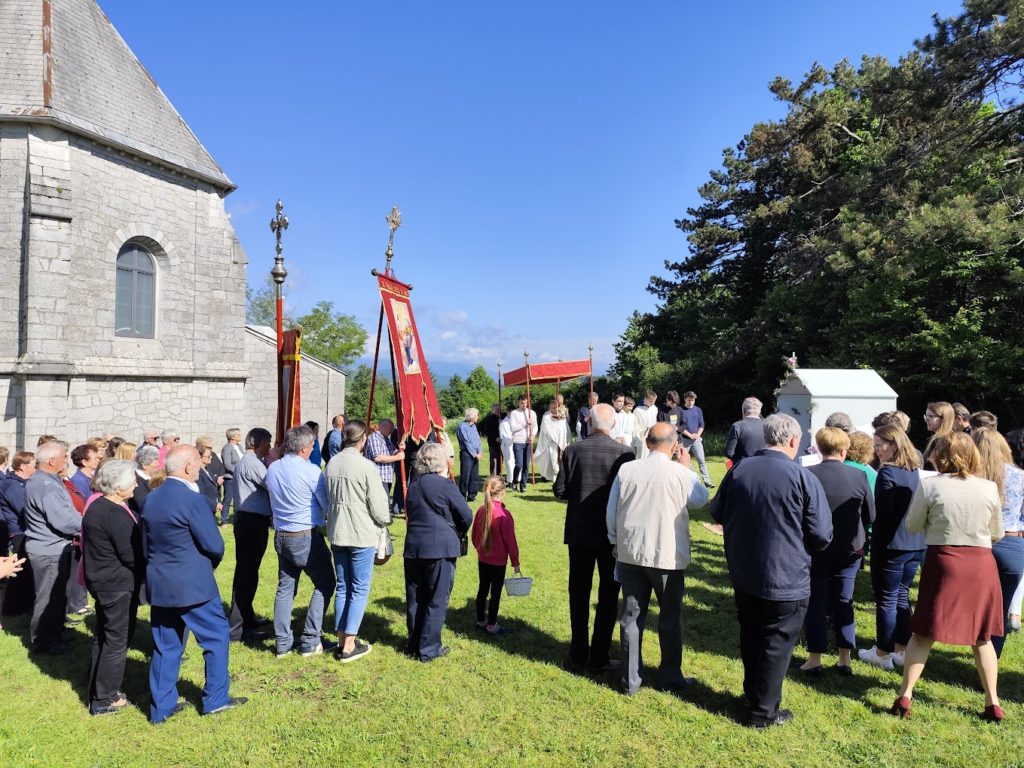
point(649, 526)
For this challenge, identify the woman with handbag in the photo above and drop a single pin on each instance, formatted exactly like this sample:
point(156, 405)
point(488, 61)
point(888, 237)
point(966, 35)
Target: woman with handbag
point(438, 519)
point(357, 515)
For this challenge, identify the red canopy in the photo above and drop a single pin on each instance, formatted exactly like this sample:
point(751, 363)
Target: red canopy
point(548, 373)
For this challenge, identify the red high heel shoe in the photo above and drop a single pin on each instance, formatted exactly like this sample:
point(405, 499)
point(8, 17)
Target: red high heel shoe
point(993, 713)
point(901, 708)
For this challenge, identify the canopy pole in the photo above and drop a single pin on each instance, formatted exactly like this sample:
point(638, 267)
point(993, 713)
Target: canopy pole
point(529, 405)
point(376, 358)
point(590, 357)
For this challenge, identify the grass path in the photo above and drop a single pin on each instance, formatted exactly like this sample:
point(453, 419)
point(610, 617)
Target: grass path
point(503, 701)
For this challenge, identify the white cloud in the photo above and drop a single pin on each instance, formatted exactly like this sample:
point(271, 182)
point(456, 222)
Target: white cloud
point(452, 319)
point(448, 335)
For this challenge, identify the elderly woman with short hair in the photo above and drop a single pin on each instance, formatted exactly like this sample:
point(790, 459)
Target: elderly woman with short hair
point(114, 568)
point(438, 520)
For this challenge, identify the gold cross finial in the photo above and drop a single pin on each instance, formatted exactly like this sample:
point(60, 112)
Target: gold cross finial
point(394, 220)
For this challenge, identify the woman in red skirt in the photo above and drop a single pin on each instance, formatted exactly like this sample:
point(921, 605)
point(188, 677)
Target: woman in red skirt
point(959, 601)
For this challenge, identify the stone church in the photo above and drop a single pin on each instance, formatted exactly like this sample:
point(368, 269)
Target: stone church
point(122, 303)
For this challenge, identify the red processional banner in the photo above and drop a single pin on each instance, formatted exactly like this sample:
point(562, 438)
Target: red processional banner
point(289, 412)
point(416, 401)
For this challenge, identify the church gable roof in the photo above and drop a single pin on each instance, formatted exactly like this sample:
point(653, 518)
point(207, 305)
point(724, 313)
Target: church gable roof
point(65, 63)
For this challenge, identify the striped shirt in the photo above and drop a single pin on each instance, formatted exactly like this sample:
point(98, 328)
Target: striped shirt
point(378, 445)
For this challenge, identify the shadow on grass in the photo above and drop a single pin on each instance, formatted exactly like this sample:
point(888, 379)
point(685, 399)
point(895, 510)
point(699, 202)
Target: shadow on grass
point(73, 666)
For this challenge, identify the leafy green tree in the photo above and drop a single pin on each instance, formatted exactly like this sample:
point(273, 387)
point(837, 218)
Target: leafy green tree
point(452, 399)
point(261, 306)
point(357, 395)
point(330, 336)
point(879, 223)
point(481, 390)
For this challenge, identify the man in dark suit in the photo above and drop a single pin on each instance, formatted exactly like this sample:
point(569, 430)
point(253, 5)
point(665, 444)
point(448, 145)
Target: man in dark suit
point(776, 516)
point(746, 436)
point(183, 546)
point(584, 480)
point(146, 460)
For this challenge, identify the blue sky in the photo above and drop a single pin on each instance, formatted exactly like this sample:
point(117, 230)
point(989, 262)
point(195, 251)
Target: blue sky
point(539, 151)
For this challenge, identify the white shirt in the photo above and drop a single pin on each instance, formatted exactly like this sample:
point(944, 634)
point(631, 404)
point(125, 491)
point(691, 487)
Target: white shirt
point(520, 422)
point(622, 431)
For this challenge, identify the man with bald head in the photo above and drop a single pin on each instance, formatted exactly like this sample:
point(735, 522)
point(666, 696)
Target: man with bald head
point(51, 522)
point(183, 546)
point(649, 527)
point(584, 480)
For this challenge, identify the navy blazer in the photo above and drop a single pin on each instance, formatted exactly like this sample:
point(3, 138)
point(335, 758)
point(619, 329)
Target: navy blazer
point(182, 546)
point(209, 488)
point(436, 515)
point(894, 488)
point(852, 504)
point(776, 515)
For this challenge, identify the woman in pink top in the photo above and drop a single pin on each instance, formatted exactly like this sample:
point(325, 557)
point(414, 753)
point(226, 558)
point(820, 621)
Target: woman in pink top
point(494, 536)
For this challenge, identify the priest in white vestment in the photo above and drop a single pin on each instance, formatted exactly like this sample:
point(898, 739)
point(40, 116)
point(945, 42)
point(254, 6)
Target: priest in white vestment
point(505, 433)
point(644, 417)
point(554, 437)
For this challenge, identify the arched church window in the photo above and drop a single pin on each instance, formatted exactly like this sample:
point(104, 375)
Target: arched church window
point(135, 307)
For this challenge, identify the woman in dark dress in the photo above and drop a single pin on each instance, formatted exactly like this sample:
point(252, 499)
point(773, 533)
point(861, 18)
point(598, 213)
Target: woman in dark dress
point(114, 568)
point(438, 519)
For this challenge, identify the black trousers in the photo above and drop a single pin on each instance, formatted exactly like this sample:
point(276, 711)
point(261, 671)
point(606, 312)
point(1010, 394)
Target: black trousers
point(492, 579)
point(115, 625)
point(50, 575)
point(581, 579)
point(18, 592)
point(251, 535)
point(428, 587)
point(469, 475)
point(768, 631)
point(494, 457)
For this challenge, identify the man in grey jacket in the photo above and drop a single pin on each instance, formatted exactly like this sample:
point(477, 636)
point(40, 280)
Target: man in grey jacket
point(649, 525)
point(51, 522)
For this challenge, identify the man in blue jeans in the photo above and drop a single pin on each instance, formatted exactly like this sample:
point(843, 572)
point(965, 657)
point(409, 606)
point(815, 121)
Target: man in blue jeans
point(523, 422)
point(298, 498)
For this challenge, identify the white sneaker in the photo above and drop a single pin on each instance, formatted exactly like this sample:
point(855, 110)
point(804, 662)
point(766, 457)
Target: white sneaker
point(870, 656)
point(897, 657)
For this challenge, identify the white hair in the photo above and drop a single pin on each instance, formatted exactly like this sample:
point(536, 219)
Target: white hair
point(114, 475)
point(602, 417)
point(297, 439)
point(431, 458)
point(233, 432)
point(779, 429)
point(48, 451)
point(168, 435)
point(146, 455)
point(471, 413)
point(752, 406)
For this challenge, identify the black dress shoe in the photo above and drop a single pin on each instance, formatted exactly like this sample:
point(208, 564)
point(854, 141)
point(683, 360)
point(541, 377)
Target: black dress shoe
point(844, 670)
point(109, 709)
point(574, 666)
point(444, 651)
point(611, 665)
point(262, 621)
point(674, 684)
point(254, 635)
point(783, 717)
point(814, 672)
point(231, 704)
point(180, 707)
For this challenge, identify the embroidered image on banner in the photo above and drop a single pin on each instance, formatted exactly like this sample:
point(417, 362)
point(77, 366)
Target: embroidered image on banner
point(416, 397)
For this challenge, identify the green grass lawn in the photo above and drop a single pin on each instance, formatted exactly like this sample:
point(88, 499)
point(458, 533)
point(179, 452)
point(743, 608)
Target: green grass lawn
point(503, 701)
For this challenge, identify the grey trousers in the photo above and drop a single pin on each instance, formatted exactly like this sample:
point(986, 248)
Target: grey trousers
point(50, 574)
point(696, 450)
point(295, 556)
point(637, 584)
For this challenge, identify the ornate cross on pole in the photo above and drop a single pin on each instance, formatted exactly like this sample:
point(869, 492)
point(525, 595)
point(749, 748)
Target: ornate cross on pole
point(394, 220)
point(278, 225)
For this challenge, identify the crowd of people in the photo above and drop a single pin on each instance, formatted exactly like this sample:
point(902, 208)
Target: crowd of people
point(133, 524)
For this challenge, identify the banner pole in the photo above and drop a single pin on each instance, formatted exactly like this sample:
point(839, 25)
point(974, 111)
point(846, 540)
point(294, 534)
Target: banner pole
point(373, 374)
point(398, 410)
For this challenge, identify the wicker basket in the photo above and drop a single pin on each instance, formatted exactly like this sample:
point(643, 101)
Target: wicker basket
point(518, 586)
